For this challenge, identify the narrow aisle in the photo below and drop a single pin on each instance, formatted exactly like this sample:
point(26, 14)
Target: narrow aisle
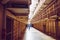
point(33, 34)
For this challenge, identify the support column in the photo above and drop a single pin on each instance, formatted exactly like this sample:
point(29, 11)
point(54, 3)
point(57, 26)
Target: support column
point(1, 20)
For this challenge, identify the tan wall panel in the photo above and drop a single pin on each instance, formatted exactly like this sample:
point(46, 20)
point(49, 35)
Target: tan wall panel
point(59, 28)
point(38, 26)
point(22, 29)
point(47, 26)
point(52, 27)
point(15, 30)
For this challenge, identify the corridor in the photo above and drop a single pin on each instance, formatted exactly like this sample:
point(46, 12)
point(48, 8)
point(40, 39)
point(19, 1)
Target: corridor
point(29, 19)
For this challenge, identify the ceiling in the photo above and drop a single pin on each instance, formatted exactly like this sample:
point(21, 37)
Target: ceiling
point(19, 11)
point(20, 8)
point(17, 1)
point(39, 9)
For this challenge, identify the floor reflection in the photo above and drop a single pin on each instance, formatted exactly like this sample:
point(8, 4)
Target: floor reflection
point(33, 34)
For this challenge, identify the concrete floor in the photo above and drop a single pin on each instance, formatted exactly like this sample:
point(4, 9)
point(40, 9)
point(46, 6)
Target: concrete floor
point(33, 34)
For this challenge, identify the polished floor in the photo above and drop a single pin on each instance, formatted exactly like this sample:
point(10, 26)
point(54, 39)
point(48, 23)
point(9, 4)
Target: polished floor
point(34, 34)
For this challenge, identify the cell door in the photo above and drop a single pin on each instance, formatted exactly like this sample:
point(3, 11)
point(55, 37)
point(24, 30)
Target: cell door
point(9, 28)
point(58, 30)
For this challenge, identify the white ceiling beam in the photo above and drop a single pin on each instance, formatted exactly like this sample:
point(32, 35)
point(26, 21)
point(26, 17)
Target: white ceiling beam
point(19, 10)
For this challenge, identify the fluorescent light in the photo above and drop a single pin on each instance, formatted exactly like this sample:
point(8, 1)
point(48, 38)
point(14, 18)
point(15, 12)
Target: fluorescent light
point(32, 8)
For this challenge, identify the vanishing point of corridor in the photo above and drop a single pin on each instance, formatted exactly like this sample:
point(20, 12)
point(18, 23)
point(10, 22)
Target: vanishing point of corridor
point(29, 19)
